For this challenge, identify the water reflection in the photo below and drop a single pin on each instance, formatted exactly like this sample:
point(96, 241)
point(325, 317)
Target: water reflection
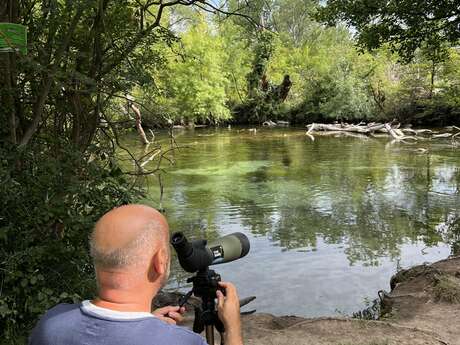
point(336, 212)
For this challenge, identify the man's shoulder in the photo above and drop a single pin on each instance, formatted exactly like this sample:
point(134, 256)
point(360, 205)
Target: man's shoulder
point(53, 322)
point(61, 313)
point(68, 323)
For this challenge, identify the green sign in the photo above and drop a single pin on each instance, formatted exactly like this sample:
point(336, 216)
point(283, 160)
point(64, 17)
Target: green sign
point(13, 37)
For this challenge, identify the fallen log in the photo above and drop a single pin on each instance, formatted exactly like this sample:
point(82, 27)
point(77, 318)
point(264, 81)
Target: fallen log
point(452, 128)
point(282, 123)
point(343, 134)
point(397, 134)
point(347, 128)
point(392, 132)
point(379, 135)
point(423, 131)
point(442, 135)
point(409, 130)
point(312, 127)
point(269, 123)
point(391, 129)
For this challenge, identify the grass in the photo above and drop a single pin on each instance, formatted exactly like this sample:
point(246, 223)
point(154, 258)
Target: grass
point(447, 289)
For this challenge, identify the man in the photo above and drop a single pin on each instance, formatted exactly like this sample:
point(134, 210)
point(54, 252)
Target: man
point(130, 250)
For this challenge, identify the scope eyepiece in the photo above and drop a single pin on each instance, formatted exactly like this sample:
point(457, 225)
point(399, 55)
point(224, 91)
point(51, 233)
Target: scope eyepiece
point(181, 245)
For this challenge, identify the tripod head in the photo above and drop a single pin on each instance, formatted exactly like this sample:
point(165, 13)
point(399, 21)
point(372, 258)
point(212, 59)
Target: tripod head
point(197, 256)
point(205, 284)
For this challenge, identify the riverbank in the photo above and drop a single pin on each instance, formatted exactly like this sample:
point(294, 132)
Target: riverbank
point(421, 116)
point(423, 307)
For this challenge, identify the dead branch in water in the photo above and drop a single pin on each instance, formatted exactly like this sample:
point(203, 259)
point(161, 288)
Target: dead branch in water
point(359, 128)
point(389, 128)
point(139, 128)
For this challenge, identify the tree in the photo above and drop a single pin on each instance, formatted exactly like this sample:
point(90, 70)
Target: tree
point(237, 62)
point(197, 82)
point(59, 168)
point(404, 24)
point(296, 19)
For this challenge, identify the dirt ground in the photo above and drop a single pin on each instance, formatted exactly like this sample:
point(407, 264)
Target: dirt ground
point(423, 307)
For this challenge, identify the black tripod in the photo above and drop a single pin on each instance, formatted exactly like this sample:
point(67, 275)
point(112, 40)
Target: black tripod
point(205, 285)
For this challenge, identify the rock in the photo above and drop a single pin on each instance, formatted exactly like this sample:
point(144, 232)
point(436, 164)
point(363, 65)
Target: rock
point(427, 297)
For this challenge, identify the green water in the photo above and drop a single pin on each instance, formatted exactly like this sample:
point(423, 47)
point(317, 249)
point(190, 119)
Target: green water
point(329, 220)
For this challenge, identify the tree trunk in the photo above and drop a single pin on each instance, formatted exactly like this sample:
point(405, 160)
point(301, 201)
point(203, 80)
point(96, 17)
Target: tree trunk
point(433, 73)
point(283, 88)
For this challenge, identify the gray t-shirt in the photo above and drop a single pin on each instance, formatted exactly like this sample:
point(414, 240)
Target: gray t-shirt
point(87, 324)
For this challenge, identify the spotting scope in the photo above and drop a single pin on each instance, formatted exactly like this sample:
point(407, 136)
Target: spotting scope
point(197, 255)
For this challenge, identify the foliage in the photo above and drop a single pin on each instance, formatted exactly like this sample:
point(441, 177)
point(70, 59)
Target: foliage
point(259, 105)
point(71, 71)
point(196, 84)
point(237, 63)
point(331, 79)
point(259, 13)
point(296, 19)
point(263, 49)
point(50, 200)
point(406, 25)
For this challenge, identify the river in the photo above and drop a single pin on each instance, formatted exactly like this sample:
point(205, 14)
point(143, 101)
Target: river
point(329, 220)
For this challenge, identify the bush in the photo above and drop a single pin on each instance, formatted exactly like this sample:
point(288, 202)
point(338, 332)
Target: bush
point(50, 198)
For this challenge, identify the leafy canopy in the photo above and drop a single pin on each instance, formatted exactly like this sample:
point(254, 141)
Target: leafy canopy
point(405, 24)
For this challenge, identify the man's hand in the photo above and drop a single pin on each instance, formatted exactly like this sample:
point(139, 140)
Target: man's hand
point(170, 314)
point(228, 309)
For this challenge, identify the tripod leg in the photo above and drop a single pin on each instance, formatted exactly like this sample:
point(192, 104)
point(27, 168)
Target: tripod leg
point(210, 334)
point(198, 325)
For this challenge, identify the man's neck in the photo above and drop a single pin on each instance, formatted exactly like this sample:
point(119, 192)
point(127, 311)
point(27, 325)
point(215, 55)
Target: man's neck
point(129, 307)
point(123, 291)
point(122, 301)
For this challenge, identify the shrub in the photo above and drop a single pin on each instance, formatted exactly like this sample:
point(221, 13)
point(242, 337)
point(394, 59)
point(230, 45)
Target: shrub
point(49, 201)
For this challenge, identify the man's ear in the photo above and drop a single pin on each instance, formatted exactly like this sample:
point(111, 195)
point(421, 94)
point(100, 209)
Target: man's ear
point(159, 263)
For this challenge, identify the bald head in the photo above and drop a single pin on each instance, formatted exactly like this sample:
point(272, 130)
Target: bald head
point(128, 236)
